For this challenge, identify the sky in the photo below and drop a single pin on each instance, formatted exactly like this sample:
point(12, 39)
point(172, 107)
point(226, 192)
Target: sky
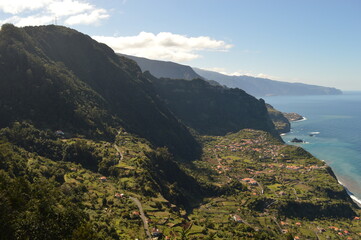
point(310, 41)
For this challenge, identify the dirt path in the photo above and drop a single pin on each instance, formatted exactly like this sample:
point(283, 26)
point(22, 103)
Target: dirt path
point(142, 216)
point(119, 152)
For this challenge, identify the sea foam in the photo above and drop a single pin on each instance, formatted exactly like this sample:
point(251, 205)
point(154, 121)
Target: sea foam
point(303, 119)
point(314, 133)
point(352, 196)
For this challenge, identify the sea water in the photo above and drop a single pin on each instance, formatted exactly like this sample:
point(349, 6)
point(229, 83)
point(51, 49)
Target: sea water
point(331, 130)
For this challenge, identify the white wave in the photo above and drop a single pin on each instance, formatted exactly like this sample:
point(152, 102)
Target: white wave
point(352, 196)
point(314, 133)
point(303, 119)
point(355, 199)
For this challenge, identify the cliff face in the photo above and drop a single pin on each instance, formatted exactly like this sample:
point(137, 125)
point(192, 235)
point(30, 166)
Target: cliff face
point(213, 110)
point(59, 78)
point(281, 122)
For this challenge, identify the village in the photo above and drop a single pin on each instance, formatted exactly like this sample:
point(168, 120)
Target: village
point(258, 175)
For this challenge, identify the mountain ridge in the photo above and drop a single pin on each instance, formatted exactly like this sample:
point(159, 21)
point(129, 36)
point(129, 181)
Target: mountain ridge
point(165, 69)
point(267, 87)
point(252, 85)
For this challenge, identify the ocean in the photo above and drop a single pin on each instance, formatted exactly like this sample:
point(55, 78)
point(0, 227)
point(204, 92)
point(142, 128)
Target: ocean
point(331, 130)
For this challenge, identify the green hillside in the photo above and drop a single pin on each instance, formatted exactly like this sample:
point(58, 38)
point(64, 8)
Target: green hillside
point(92, 148)
point(58, 78)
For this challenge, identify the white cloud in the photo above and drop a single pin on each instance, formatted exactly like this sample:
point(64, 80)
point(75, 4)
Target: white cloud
point(89, 18)
point(72, 12)
point(19, 6)
point(29, 21)
point(68, 7)
point(163, 46)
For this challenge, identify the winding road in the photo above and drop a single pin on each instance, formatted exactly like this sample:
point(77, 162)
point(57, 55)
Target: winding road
point(135, 200)
point(142, 216)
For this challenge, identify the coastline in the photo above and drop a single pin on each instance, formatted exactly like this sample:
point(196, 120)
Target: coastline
point(301, 120)
point(352, 196)
point(356, 200)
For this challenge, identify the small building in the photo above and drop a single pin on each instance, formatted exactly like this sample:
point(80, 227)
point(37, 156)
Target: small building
point(136, 213)
point(283, 223)
point(59, 133)
point(237, 218)
point(103, 178)
point(119, 195)
point(250, 181)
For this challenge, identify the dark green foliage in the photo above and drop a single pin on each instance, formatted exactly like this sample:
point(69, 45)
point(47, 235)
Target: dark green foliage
point(31, 206)
point(44, 143)
point(80, 152)
point(259, 203)
point(213, 110)
point(318, 210)
point(175, 185)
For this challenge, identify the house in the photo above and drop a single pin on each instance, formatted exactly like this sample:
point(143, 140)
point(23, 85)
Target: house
point(119, 195)
point(237, 218)
point(136, 213)
point(334, 228)
point(250, 181)
point(103, 179)
point(283, 223)
point(59, 132)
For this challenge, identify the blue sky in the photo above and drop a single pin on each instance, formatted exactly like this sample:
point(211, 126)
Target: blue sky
point(310, 41)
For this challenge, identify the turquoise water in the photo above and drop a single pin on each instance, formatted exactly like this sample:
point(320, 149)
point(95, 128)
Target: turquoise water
point(335, 122)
